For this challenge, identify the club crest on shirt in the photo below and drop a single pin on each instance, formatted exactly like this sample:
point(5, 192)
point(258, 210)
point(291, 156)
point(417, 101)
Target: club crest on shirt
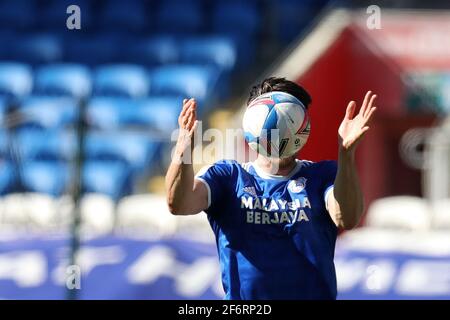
point(297, 185)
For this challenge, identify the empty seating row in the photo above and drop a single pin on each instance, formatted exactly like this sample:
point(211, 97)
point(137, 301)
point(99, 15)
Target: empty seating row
point(40, 48)
point(125, 80)
point(56, 178)
point(140, 215)
point(155, 115)
point(132, 148)
point(181, 16)
point(43, 160)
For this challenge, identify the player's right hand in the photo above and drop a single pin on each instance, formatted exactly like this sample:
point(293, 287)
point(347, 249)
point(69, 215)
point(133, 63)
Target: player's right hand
point(187, 122)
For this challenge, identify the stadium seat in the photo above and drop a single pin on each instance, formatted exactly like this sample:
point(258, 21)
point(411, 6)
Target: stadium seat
point(30, 211)
point(71, 80)
point(121, 80)
point(218, 52)
point(155, 113)
point(236, 17)
point(53, 15)
point(292, 16)
point(180, 17)
point(48, 145)
point(214, 50)
point(132, 149)
point(107, 177)
point(65, 205)
point(37, 49)
point(145, 214)
point(7, 177)
point(45, 177)
point(399, 213)
point(131, 15)
point(107, 113)
point(194, 227)
point(48, 112)
point(95, 49)
point(441, 214)
point(16, 79)
point(185, 81)
point(13, 213)
point(379, 240)
point(97, 214)
point(41, 211)
point(6, 38)
point(17, 14)
point(153, 51)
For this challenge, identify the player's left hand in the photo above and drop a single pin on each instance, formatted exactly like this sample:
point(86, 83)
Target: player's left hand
point(353, 128)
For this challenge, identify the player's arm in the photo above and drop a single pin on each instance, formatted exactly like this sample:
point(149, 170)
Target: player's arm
point(346, 203)
point(184, 194)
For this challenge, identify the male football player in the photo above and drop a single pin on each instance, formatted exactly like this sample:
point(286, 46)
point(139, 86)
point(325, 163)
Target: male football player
point(275, 231)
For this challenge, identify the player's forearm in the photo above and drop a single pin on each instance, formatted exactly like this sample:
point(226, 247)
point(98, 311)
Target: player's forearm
point(179, 178)
point(347, 191)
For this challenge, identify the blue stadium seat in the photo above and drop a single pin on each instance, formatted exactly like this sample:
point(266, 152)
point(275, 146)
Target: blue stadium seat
point(48, 145)
point(180, 17)
point(95, 49)
point(6, 38)
point(236, 17)
point(71, 80)
point(16, 79)
point(159, 114)
point(156, 50)
point(53, 15)
point(108, 177)
point(154, 114)
point(246, 50)
point(106, 113)
point(135, 150)
point(37, 49)
point(45, 176)
point(214, 50)
point(7, 177)
point(121, 80)
point(131, 15)
point(48, 112)
point(17, 14)
point(184, 80)
point(292, 16)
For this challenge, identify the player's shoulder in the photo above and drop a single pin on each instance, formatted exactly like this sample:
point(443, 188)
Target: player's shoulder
point(222, 167)
point(226, 162)
point(319, 165)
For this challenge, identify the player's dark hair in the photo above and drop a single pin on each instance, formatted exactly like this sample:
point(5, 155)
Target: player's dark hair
point(280, 84)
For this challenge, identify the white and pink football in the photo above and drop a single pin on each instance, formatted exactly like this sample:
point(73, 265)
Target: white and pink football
point(276, 124)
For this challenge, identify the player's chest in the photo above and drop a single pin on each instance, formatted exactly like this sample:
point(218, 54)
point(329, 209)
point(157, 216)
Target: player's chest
point(277, 204)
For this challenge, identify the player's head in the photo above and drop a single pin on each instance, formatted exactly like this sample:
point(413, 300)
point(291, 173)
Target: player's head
point(267, 86)
point(280, 84)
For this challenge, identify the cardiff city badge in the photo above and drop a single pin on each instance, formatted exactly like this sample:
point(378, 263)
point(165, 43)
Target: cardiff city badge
point(297, 185)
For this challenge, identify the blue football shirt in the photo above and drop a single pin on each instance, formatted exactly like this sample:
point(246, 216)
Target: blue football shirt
point(274, 236)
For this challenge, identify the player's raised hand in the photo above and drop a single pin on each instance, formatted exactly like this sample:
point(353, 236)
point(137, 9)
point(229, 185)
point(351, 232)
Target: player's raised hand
point(187, 122)
point(353, 126)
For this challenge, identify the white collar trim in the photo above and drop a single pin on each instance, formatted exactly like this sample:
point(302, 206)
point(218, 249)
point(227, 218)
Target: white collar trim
point(260, 172)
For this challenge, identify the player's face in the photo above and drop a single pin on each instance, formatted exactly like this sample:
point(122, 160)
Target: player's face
point(286, 162)
point(275, 165)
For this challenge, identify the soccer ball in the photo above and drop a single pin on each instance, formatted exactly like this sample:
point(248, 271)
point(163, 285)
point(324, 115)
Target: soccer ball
point(276, 124)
